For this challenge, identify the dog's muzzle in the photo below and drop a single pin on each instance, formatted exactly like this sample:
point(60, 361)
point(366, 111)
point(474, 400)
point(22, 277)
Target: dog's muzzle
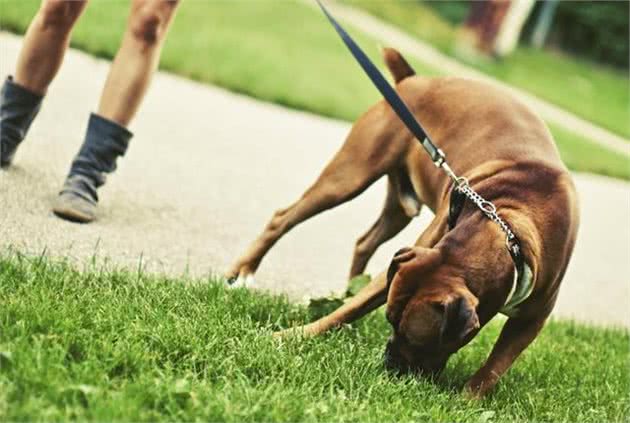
point(392, 359)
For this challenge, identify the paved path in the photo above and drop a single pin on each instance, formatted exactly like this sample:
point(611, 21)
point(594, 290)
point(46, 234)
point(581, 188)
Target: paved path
point(414, 47)
point(207, 169)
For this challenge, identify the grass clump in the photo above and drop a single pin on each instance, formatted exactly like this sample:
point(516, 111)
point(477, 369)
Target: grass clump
point(116, 345)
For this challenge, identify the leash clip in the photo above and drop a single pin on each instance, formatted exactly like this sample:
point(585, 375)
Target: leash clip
point(447, 169)
point(440, 158)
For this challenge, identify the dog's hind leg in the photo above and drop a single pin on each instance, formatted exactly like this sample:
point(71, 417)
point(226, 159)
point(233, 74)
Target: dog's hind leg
point(342, 180)
point(400, 207)
point(369, 153)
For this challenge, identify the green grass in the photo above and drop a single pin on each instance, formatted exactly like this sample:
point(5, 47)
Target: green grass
point(596, 93)
point(282, 52)
point(114, 345)
point(581, 154)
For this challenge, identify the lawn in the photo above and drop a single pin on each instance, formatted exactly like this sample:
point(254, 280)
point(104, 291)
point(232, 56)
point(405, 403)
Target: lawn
point(596, 93)
point(282, 52)
point(580, 153)
point(112, 345)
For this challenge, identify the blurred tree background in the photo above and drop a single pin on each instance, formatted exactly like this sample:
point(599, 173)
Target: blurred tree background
point(597, 30)
point(594, 30)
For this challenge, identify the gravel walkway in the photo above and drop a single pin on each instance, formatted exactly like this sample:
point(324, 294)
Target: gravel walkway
point(206, 170)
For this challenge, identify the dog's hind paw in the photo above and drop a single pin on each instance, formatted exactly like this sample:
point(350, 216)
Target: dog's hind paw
point(241, 281)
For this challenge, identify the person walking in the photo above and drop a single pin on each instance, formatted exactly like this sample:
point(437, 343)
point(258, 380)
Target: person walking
point(107, 136)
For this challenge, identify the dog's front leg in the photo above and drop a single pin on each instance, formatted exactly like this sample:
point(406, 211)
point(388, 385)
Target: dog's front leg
point(515, 336)
point(367, 299)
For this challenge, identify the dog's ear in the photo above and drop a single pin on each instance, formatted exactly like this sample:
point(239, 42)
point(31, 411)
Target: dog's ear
point(402, 255)
point(459, 319)
point(404, 276)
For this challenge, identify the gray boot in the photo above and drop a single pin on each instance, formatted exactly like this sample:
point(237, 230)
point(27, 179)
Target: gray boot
point(18, 108)
point(104, 142)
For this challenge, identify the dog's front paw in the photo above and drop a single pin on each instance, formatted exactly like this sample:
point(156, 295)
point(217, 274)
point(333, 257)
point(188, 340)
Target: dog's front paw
point(284, 334)
point(305, 331)
point(478, 387)
point(472, 394)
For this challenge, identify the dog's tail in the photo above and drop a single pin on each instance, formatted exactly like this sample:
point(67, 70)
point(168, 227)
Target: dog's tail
point(397, 64)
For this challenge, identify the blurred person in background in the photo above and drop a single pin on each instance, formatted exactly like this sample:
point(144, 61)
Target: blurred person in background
point(107, 136)
point(493, 27)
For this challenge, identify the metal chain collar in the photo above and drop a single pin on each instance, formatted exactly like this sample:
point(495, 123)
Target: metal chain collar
point(522, 284)
point(487, 207)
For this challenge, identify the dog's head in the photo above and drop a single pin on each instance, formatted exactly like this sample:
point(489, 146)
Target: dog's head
point(432, 313)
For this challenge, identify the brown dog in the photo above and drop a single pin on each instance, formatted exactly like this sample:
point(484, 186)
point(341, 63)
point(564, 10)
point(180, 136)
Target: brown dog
point(454, 280)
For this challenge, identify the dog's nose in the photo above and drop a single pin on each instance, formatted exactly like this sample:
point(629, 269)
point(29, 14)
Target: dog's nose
point(391, 358)
point(387, 355)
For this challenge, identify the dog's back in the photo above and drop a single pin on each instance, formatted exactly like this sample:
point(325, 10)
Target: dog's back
point(472, 121)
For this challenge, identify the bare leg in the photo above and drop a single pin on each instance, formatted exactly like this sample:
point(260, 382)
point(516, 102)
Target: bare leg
point(369, 298)
point(107, 137)
point(392, 220)
point(45, 43)
point(136, 59)
point(515, 336)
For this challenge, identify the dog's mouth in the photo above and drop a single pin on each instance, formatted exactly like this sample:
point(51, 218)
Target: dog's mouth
point(393, 360)
point(398, 364)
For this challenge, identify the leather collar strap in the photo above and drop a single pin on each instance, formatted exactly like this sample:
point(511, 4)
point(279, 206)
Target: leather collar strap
point(460, 188)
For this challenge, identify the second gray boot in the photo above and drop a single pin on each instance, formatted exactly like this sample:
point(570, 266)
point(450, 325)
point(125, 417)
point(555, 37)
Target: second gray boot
point(18, 108)
point(105, 141)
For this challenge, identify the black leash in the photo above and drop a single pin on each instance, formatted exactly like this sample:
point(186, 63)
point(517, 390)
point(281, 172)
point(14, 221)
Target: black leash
point(390, 95)
point(462, 189)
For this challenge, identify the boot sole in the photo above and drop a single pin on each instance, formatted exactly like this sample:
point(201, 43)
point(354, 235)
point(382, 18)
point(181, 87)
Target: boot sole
point(72, 215)
point(5, 164)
